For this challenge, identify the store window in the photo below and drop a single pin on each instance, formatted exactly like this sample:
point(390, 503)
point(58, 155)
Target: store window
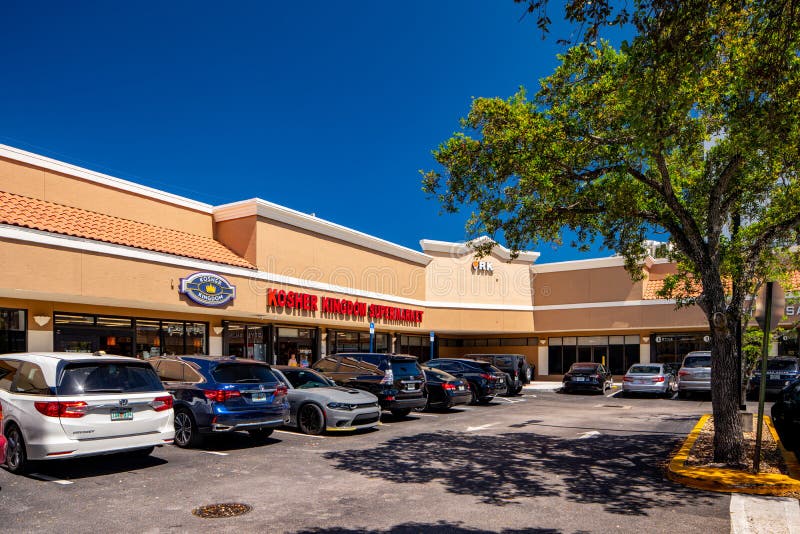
point(350, 341)
point(788, 343)
point(247, 341)
point(296, 346)
point(672, 347)
point(618, 353)
point(13, 330)
point(128, 336)
point(419, 346)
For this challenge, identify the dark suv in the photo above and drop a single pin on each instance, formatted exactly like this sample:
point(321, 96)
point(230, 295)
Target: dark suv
point(222, 394)
point(781, 371)
point(484, 379)
point(397, 380)
point(514, 365)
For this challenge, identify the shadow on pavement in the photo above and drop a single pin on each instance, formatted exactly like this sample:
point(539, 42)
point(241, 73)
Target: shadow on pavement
point(234, 441)
point(441, 526)
point(93, 466)
point(624, 474)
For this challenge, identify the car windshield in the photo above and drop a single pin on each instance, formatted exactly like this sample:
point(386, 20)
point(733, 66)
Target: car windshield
point(108, 377)
point(405, 368)
point(305, 379)
point(697, 361)
point(781, 365)
point(243, 373)
point(645, 370)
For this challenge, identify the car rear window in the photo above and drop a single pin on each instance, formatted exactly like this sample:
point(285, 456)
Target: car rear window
point(781, 365)
point(645, 369)
point(108, 377)
point(242, 373)
point(697, 361)
point(405, 368)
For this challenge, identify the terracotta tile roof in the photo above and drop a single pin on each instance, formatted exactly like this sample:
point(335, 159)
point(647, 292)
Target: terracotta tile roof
point(51, 217)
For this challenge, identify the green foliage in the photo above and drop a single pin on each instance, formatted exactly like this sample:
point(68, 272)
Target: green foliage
point(690, 130)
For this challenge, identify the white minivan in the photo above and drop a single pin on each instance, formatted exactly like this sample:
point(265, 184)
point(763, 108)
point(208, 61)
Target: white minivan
point(64, 405)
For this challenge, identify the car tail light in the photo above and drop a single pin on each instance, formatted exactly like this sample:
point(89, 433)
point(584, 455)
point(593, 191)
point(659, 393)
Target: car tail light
point(72, 409)
point(388, 377)
point(516, 373)
point(390, 397)
point(1, 413)
point(221, 395)
point(281, 391)
point(627, 379)
point(487, 376)
point(683, 373)
point(658, 379)
point(449, 386)
point(160, 404)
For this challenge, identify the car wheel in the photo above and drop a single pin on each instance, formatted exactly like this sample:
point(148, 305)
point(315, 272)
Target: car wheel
point(16, 456)
point(142, 453)
point(485, 400)
point(186, 433)
point(260, 434)
point(311, 420)
point(518, 390)
point(402, 412)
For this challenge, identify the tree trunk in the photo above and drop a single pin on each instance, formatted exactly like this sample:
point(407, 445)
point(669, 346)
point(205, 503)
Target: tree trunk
point(728, 439)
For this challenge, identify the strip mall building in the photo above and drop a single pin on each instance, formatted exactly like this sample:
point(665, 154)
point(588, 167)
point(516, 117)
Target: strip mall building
point(92, 262)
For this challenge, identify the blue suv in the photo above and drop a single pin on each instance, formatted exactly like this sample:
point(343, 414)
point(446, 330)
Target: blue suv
point(781, 371)
point(222, 394)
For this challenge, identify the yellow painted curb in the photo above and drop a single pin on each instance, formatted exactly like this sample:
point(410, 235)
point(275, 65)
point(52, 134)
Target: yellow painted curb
point(732, 480)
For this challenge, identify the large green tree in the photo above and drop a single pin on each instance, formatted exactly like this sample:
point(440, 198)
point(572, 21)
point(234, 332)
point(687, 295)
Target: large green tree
point(691, 129)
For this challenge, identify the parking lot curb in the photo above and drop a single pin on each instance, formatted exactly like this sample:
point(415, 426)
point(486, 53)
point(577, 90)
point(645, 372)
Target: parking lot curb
point(731, 480)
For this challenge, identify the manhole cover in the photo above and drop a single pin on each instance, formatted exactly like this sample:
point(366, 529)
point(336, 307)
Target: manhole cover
point(231, 509)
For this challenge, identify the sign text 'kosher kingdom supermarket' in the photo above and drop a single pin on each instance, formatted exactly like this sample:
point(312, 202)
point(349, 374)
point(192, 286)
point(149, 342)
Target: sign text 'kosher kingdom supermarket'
point(292, 300)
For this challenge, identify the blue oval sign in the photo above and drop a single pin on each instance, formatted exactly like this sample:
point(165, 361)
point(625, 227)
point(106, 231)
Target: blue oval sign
point(208, 289)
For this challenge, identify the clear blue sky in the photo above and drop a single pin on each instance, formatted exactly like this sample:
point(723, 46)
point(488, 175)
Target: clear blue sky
point(324, 107)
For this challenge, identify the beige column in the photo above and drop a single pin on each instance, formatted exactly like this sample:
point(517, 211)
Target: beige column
point(644, 351)
point(543, 366)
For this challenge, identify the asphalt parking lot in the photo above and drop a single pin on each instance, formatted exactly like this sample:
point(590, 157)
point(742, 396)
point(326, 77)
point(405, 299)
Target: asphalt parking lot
point(540, 462)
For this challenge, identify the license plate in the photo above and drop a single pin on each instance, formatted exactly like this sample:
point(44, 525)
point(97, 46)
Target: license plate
point(121, 414)
point(703, 375)
point(579, 379)
point(640, 381)
point(460, 388)
point(774, 377)
point(410, 387)
point(259, 397)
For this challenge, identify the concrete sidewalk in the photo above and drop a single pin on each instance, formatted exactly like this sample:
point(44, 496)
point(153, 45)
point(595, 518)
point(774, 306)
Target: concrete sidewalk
point(542, 386)
point(757, 514)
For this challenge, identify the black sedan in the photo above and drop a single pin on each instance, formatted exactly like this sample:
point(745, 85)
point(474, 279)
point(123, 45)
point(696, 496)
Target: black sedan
point(484, 379)
point(786, 415)
point(444, 390)
point(587, 376)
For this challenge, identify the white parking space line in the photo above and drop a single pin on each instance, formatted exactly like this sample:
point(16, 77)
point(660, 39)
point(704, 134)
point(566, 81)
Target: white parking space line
point(47, 478)
point(482, 427)
point(216, 453)
point(755, 514)
point(614, 393)
point(300, 435)
point(589, 435)
point(510, 401)
point(417, 414)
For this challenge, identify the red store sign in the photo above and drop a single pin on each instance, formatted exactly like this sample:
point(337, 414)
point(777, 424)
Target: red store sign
point(278, 298)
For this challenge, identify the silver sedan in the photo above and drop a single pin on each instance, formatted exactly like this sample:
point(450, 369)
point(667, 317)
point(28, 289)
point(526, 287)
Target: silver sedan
point(649, 378)
point(317, 404)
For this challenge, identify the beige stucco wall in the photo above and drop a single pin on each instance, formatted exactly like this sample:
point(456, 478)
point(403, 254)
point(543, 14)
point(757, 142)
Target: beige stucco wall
point(27, 180)
point(291, 251)
point(619, 318)
point(608, 284)
point(450, 278)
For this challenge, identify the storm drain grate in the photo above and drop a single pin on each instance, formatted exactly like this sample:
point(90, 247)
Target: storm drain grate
point(621, 406)
point(231, 509)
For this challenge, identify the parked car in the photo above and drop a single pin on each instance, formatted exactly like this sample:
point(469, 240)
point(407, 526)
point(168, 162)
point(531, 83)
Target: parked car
point(650, 378)
point(317, 404)
point(694, 375)
point(2, 438)
point(514, 365)
point(222, 394)
point(785, 414)
point(781, 371)
point(66, 405)
point(589, 376)
point(484, 379)
point(444, 390)
point(397, 380)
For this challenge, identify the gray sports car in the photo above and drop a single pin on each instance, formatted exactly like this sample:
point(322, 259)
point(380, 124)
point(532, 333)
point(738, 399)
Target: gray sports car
point(317, 404)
